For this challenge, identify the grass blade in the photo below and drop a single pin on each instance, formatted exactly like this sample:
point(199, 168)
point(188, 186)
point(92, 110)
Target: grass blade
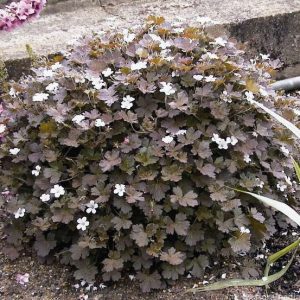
point(280, 119)
point(280, 206)
point(244, 282)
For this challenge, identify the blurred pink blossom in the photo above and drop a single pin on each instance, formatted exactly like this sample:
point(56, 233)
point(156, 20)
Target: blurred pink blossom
point(16, 13)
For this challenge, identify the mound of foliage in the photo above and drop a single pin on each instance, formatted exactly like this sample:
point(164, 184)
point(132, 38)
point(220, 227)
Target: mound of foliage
point(121, 154)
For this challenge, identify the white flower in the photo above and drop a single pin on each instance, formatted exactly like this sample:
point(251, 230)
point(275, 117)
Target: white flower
point(40, 97)
point(99, 123)
point(198, 77)
point(138, 66)
point(78, 119)
point(14, 151)
point(127, 102)
point(48, 73)
point(56, 66)
point(233, 140)
point(131, 277)
point(98, 83)
point(19, 213)
point(285, 150)
point(36, 171)
point(210, 78)
point(211, 55)
point(2, 128)
point(102, 286)
point(57, 190)
point(225, 97)
point(167, 139)
point(259, 256)
point(181, 132)
point(45, 197)
point(220, 41)
point(281, 186)
point(222, 144)
point(119, 189)
point(167, 88)
point(128, 37)
point(164, 45)
point(249, 97)
point(52, 87)
point(13, 93)
point(91, 207)
point(244, 230)
point(223, 276)
point(259, 183)
point(107, 72)
point(254, 134)
point(82, 223)
point(265, 56)
point(247, 158)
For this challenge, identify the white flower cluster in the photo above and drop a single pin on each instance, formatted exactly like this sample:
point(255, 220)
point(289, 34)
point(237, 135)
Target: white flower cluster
point(127, 102)
point(170, 138)
point(244, 230)
point(19, 213)
point(138, 66)
point(52, 87)
point(14, 151)
point(36, 171)
point(40, 97)
point(107, 72)
point(78, 119)
point(223, 143)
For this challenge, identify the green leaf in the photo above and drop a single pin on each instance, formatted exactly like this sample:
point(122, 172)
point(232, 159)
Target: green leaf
point(297, 168)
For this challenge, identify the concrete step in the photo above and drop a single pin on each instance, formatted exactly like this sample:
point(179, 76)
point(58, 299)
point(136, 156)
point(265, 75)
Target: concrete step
point(268, 26)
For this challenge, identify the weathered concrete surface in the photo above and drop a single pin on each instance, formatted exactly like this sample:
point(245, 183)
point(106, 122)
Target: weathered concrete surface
point(269, 26)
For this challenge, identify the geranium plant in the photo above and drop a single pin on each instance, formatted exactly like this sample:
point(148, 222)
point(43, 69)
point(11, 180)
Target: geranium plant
point(117, 155)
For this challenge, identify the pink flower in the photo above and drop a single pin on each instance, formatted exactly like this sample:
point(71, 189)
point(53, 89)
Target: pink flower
point(15, 14)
